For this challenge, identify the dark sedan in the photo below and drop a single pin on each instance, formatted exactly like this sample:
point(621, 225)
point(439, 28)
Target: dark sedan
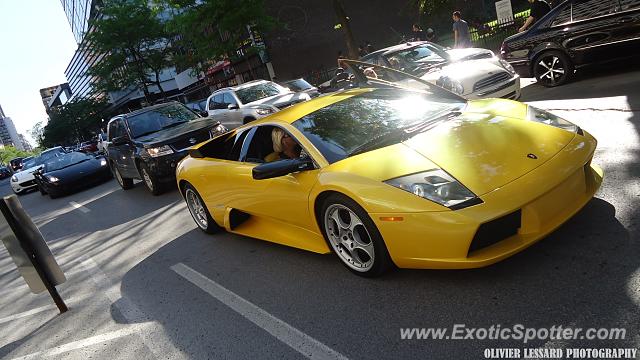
point(574, 34)
point(5, 172)
point(71, 172)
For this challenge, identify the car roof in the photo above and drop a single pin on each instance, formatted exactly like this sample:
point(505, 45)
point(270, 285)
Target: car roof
point(241, 86)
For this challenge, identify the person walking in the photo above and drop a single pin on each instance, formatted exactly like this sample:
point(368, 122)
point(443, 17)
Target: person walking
point(539, 8)
point(418, 34)
point(461, 36)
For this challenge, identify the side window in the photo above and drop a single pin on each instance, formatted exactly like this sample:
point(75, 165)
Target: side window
point(217, 99)
point(115, 129)
point(563, 16)
point(212, 103)
point(587, 9)
point(260, 146)
point(236, 146)
point(229, 99)
point(629, 5)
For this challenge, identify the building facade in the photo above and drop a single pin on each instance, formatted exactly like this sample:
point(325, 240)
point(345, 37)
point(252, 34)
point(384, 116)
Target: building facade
point(8, 134)
point(78, 13)
point(55, 96)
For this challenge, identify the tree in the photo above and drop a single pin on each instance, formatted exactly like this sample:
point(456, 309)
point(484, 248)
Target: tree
point(343, 23)
point(131, 38)
point(208, 31)
point(9, 152)
point(37, 133)
point(75, 121)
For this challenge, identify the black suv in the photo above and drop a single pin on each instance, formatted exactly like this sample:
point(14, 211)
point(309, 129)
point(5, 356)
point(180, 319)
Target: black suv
point(148, 143)
point(574, 34)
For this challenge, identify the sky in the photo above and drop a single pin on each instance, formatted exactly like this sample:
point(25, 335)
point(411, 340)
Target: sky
point(36, 45)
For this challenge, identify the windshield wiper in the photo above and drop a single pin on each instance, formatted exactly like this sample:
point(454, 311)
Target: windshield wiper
point(402, 133)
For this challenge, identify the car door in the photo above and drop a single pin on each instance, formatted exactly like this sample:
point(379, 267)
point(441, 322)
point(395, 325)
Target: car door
point(627, 28)
point(285, 198)
point(122, 154)
point(592, 26)
point(234, 116)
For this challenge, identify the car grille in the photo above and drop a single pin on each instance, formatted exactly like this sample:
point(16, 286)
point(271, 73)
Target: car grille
point(496, 230)
point(27, 183)
point(491, 80)
point(191, 140)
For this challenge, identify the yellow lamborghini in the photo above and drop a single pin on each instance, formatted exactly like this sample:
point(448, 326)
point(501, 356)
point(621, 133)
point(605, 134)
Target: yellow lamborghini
point(387, 176)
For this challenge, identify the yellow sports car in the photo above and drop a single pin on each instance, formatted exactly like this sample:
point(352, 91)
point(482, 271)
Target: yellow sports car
point(387, 176)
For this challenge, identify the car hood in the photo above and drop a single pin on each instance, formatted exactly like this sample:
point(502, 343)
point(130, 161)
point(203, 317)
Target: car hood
point(484, 148)
point(281, 99)
point(169, 135)
point(469, 53)
point(80, 169)
point(467, 72)
point(27, 174)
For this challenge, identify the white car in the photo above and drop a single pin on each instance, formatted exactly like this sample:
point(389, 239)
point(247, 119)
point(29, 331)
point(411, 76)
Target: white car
point(238, 105)
point(24, 180)
point(471, 73)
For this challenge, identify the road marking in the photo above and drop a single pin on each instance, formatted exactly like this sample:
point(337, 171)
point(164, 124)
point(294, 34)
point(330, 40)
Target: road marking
point(79, 207)
point(79, 344)
point(28, 313)
point(294, 338)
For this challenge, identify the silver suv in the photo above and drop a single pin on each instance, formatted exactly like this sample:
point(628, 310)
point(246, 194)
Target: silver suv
point(238, 105)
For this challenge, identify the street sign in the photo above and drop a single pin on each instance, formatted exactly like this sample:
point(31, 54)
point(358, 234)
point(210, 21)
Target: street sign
point(29, 251)
point(504, 11)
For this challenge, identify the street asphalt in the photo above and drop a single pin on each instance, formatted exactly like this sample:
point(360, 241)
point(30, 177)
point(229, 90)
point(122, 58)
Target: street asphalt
point(144, 282)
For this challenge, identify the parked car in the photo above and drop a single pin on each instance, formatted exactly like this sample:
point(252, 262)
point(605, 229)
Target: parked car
point(199, 106)
point(301, 85)
point(471, 73)
point(574, 34)
point(387, 176)
point(89, 146)
point(237, 105)
point(71, 171)
point(16, 164)
point(5, 172)
point(148, 143)
point(24, 180)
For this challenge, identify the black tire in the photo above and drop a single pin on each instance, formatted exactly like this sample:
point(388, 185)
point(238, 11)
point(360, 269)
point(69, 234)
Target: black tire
point(380, 261)
point(150, 181)
point(209, 225)
point(124, 183)
point(54, 195)
point(552, 68)
point(42, 192)
point(248, 119)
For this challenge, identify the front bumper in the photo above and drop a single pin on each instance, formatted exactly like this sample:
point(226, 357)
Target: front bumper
point(442, 240)
point(163, 168)
point(25, 185)
point(509, 89)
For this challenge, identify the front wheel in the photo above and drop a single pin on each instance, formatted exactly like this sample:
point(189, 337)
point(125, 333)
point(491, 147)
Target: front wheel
point(199, 211)
point(150, 181)
point(124, 183)
point(354, 237)
point(553, 68)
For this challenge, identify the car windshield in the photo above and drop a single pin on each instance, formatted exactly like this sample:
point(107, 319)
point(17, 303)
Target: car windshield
point(422, 55)
point(65, 160)
point(258, 92)
point(158, 119)
point(28, 164)
point(368, 121)
point(298, 85)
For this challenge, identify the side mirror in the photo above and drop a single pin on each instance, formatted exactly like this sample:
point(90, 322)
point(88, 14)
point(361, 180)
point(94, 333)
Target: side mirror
point(233, 107)
point(120, 140)
point(281, 168)
point(203, 113)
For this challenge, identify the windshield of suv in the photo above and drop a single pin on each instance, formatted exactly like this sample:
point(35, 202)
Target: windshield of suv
point(298, 85)
point(365, 121)
point(159, 118)
point(65, 160)
point(258, 92)
point(409, 59)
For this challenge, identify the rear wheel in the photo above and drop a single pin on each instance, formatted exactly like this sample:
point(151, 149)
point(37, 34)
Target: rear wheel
point(42, 192)
point(552, 68)
point(124, 183)
point(354, 237)
point(199, 211)
point(150, 181)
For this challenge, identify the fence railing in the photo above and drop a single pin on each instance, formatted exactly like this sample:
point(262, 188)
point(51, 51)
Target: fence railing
point(491, 35)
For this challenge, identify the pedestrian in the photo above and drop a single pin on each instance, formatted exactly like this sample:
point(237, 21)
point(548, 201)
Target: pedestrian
point(431, 35)
point(418, 34)
point(539, 8)
point(461, 36)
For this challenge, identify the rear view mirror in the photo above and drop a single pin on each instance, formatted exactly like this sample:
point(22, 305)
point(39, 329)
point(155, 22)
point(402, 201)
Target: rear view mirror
point(120, 140)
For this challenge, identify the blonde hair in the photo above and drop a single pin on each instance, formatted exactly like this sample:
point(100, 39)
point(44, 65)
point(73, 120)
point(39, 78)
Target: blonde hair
point(276, 137)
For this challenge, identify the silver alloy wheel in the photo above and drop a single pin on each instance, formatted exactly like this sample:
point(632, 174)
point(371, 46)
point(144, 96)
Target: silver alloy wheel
point(349, 237)
point(147, 179)
point(196, 208)
point(553, 69)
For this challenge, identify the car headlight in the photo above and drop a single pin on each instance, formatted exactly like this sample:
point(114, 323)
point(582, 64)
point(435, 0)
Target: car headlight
point(437, 186)
point(160, 151)
point(544, 117)
point(264, 111)
point(103, 162)
point(52, 178)
point(14, 178)
point(217, 130)
point(505, 64)
point(450, 84)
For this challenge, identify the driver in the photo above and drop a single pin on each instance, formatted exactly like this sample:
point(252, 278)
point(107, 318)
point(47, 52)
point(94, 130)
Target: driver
point(284, 146)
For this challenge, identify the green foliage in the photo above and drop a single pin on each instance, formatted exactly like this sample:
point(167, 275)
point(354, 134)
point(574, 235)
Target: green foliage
point(132, 37)
point(206, 31)
point(75, 121)
point(9, 152)
point(37, 133)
